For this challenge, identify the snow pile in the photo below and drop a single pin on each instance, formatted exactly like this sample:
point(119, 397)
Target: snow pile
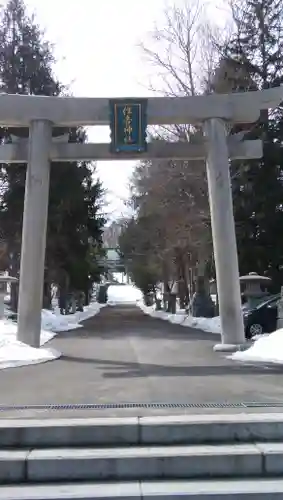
point(54, 321)
point(57, 322)
point(211, 325)
point(14, 353)
point(267, 349)
point(123, 294)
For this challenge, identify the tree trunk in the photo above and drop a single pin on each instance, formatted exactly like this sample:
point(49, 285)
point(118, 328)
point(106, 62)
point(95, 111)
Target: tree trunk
point(172, 302)
point(87, 295)
point(182, 278)
point(62, 299)
point(14, 297)
point(47, 296)
point(201, 271)
point(14, 270)
point(186, 284)
point(63, 289)
point(165, 287)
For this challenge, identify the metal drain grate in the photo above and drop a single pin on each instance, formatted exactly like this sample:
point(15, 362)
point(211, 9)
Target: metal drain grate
point(125, 406)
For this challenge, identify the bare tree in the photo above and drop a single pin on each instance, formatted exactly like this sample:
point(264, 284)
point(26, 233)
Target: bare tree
point(183, 59)
point(180, 50)
point(168, 192)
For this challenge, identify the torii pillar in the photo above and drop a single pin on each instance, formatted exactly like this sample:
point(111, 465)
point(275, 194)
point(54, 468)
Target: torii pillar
point(224, 237)
point(34, 233)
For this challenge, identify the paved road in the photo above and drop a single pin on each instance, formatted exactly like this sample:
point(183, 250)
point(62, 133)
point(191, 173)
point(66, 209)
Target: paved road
point(121, 355)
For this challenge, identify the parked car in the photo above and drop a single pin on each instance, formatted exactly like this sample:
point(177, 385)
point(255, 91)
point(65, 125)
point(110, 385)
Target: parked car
point(262, 318)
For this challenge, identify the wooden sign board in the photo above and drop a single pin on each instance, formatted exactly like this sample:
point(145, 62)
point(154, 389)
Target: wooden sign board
point(128, 125)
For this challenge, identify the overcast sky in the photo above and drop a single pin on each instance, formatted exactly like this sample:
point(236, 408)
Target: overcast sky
point(96, 50)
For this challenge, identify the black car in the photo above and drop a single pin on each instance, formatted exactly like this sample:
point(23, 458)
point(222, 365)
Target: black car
point(262, 318)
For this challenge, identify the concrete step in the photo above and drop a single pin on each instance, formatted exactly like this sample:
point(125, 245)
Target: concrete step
point(162, 430)
point(248, 489)
point(141, 463)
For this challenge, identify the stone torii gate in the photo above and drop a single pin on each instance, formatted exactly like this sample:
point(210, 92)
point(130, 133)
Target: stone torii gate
point(40, 114)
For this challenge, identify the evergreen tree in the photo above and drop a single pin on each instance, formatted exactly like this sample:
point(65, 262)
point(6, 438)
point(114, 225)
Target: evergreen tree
point(74, 225)
point(254, 55)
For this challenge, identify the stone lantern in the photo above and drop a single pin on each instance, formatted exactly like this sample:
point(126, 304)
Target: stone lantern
point(4, 280)
point(255, 288)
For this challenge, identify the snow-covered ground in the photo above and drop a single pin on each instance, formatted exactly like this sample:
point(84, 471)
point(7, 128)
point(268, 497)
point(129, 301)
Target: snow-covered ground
point(267, 348)
point(56, 322)
point(123, 294)
point(14, 353)
point(211, 325)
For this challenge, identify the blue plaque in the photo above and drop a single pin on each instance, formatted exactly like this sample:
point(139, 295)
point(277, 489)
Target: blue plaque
point(128, 125)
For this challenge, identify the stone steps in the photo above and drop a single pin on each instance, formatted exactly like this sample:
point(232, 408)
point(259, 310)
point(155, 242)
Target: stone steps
point(247, 489)
point(205, 456)
point(135, 431)
point(138, 463)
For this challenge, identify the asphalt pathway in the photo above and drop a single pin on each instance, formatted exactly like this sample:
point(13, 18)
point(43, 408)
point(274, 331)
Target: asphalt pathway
point(124, 356)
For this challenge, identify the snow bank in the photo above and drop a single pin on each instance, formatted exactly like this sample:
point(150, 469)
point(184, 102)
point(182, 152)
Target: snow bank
point(57, 322)
point(211, 325)
point(123, 294)
point(267, 349)
point(54, 321)
point(14, 353)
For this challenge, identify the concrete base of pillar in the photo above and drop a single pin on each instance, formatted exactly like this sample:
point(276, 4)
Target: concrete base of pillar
point(230, 347)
